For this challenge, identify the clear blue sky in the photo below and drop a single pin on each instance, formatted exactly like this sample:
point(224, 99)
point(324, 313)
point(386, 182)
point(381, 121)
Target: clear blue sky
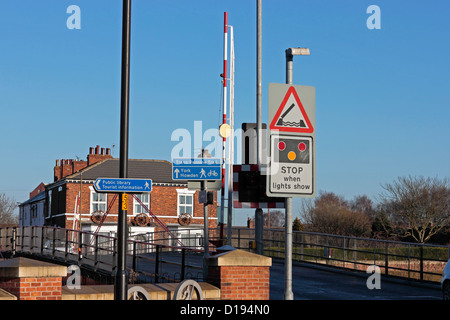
point(382, 96)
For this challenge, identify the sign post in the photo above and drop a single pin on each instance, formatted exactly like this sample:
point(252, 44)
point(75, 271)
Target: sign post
point(292, 149)
point(205, 171)
point(122, 186)
point(292, 141)
point(121, 281)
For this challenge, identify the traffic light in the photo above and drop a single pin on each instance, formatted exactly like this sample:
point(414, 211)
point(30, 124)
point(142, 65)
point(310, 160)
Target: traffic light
point(206, 197)
point(292, 150)
point(252, 187)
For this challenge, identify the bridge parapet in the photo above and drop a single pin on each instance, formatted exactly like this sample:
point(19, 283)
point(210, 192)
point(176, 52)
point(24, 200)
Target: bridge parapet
point(240, 275)
point(29, 279)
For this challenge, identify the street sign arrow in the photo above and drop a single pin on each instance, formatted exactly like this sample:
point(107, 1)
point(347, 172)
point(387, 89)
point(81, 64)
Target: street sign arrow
point(97, 184)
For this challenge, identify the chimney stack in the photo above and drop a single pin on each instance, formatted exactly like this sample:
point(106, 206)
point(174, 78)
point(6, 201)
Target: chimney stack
point(99, 155)
point(65, 167)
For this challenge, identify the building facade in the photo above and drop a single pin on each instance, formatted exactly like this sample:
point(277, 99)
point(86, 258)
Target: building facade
point(71, 201)
point(31, 211)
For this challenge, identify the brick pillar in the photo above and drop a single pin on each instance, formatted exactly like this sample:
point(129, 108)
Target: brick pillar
point(240, 275)
point(29, 279)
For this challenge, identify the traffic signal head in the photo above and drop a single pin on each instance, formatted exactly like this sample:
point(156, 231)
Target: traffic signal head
point(291, 150)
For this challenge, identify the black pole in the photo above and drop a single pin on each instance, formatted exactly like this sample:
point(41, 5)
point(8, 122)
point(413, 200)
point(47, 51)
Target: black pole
point(121, 279)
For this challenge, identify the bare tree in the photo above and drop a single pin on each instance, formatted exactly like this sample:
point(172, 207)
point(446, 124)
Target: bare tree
point(363, 204)
point(419, 207)
point(7, 207)
point(330, 213)
point(274, 219)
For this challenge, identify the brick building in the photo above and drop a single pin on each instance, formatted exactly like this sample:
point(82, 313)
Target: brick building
point(72, 202)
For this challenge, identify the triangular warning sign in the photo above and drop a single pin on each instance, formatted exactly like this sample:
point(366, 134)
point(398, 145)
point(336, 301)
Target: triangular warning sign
point(291, 116)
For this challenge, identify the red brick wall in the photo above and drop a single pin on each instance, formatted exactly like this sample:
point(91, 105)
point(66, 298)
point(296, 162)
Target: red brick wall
point(163, 201)
point(94, 158)
point(37, 190)
point(33, 288)
point(241, 282)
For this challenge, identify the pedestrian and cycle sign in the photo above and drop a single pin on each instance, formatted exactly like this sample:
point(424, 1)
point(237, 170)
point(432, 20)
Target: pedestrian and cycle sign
point(123, 185)
point(196, 169)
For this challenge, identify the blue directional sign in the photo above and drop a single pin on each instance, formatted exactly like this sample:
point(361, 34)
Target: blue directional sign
point(196, 169)
point(123, 185)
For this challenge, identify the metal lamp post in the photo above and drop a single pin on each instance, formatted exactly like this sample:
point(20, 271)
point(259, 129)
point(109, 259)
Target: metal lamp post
point(121, 279)
point(288, 294)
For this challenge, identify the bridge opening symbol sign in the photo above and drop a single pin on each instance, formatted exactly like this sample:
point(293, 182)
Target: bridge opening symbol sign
point(291, 115)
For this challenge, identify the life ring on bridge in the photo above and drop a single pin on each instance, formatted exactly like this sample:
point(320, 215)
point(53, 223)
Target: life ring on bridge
point(184, 219)
point(141, 219)
point(97, 216)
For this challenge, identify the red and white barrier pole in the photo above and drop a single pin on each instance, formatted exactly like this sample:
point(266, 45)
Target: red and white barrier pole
point(224, 81)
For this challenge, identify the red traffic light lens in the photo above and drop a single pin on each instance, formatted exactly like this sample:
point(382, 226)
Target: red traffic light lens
point(281, 145)
point(302, 146)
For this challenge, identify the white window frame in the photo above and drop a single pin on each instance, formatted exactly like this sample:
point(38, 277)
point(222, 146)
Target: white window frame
point(91, 201)
point(137, 205)
point(185, 192)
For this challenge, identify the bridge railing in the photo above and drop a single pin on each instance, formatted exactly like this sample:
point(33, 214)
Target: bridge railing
point(402, 259)
point(153, 257)
point(156, 257)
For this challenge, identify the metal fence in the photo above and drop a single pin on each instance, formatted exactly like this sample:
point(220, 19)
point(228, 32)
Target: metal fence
point(157, 257)
point(403, 259)
point(153, 257)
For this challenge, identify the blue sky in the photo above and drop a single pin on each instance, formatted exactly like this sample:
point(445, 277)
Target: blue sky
point(382, 95)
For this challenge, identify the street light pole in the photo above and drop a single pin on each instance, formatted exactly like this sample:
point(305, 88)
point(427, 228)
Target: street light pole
point(288, 294)
point(121, 278)
point(259, 136)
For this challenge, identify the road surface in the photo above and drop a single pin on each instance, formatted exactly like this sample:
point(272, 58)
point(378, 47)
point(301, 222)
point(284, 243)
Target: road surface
point(322, 283)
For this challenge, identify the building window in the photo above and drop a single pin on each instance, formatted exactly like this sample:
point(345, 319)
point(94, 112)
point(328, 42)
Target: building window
point(33, 210)
point(21, 217)
point(185, 201)
point(145, 199)
point(49, 209)
point(98, 201)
